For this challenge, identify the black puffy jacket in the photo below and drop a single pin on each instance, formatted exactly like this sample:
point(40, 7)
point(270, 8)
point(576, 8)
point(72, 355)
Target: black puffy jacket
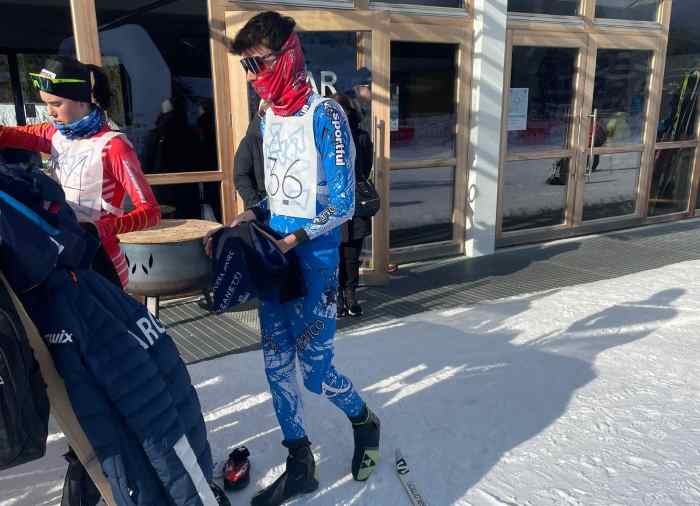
point(250, 167)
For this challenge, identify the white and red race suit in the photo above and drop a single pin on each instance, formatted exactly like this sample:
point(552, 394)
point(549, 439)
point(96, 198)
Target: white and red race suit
point(96, 174)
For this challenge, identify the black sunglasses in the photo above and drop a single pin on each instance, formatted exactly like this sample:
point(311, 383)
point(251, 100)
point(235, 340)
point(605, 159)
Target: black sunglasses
point(256, 64)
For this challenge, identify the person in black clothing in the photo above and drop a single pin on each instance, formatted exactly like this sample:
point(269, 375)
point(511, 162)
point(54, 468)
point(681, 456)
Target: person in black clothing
point(174, 146)
point(250, 169)
point(354, 231)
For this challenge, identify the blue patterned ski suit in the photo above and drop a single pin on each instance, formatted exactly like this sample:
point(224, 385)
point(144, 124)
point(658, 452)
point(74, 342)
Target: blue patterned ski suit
point(304, 329)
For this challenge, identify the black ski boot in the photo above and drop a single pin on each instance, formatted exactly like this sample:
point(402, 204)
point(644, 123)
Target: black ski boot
point(366, 456)
point(353, 307)
point(219, 495)
point(298, 478)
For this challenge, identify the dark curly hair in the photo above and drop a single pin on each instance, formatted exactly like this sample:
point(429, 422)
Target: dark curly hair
point(269, 28)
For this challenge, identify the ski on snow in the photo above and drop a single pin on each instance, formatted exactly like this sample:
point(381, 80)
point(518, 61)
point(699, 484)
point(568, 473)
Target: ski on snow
point(404, 473)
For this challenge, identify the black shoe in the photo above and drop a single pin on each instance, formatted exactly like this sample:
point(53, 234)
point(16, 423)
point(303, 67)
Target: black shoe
point(237, 469)
point(219, 495)
point(353, 308)
point(366, 428)
point(298, 478)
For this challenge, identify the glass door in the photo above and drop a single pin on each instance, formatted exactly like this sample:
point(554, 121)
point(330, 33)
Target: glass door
point(575, 139)
point(428, 140)
point(539, 133)
point(614, 129)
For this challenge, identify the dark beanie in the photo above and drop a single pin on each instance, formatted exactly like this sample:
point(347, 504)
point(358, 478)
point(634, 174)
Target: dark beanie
point(65, 68)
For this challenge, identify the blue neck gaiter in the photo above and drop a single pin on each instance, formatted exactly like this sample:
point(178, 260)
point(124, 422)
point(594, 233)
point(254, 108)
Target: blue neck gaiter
point(86, 126)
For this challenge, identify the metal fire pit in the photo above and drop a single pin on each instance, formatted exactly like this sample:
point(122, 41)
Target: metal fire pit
point(168, 259)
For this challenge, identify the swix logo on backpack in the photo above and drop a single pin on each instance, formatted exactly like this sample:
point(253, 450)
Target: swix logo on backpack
point(61, 337)
point(150, 328)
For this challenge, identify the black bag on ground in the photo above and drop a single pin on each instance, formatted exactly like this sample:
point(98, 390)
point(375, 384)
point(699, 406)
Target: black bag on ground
point(24, 405)
point(367, 201)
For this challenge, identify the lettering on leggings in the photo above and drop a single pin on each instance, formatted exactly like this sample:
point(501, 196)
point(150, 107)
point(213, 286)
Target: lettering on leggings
point(313, 330)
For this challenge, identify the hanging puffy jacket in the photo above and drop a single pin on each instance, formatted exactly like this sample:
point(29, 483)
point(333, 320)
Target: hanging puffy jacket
point(129, 388)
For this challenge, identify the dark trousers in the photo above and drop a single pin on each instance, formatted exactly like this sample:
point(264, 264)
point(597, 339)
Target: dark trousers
point(349, 267)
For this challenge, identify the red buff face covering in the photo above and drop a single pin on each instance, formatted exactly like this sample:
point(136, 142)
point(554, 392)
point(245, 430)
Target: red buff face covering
point(284, 86)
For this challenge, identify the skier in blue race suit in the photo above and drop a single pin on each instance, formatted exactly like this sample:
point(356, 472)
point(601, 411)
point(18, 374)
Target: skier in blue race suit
point(309, 178)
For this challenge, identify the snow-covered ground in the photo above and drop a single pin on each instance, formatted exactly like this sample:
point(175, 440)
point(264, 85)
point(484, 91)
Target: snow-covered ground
point(586, 395)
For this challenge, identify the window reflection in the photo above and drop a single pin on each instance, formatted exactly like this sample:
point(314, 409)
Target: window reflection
point(423, 120)
point(428, 3)
point(421, 206)
point(640, 10)
point(670, 183)
point(679, 101)
point(621, 93)
point(8, 112)
point(534, 193)
point(555, 7)
point(158, 59)
point(611, 188)
point(32, 31)
point(541, 100)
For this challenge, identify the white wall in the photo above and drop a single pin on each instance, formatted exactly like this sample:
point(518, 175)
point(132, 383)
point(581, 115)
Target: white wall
point(485, 137)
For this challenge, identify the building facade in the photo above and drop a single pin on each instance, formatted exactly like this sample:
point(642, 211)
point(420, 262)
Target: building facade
point(496, 122)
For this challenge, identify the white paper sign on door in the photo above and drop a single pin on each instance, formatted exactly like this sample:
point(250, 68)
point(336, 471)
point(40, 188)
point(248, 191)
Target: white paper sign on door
point(394, 109)
point(517, 113)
